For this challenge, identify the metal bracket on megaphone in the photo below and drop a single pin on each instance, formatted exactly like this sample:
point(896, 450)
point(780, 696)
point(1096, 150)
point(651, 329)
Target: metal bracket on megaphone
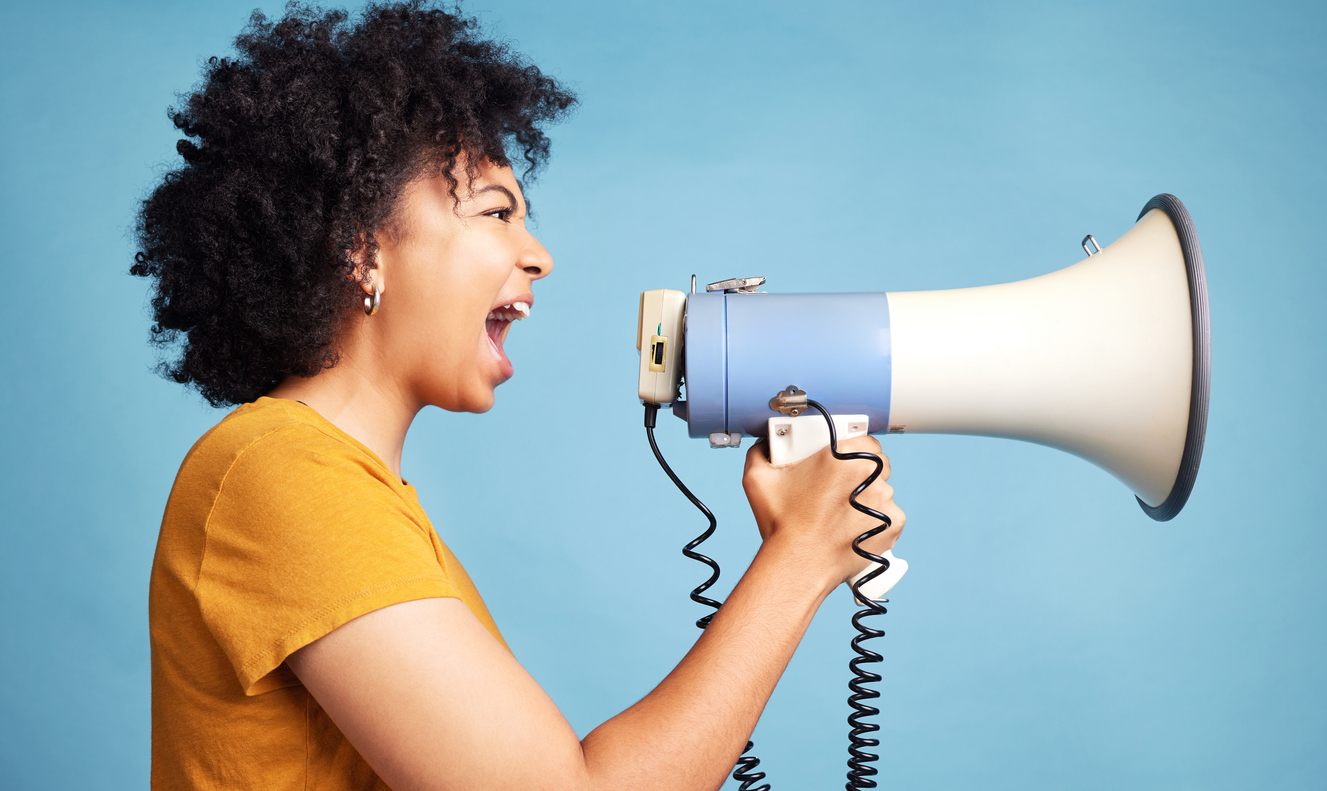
point(790, 402)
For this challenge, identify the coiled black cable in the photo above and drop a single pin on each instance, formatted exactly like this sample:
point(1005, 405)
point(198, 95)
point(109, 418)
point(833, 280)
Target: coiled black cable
point(744, 772)
point(860, 769)
point(651, 411)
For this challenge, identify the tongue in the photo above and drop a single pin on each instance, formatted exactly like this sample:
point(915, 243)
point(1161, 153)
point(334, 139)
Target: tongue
point(494, 329)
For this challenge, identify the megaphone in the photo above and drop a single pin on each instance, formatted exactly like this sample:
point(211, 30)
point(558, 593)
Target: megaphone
point(1107, 359)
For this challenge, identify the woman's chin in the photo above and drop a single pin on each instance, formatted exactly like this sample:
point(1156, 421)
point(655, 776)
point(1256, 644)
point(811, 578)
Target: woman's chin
point(479, 397)
point(476, 396)
point(484, 395)
point(477, 403)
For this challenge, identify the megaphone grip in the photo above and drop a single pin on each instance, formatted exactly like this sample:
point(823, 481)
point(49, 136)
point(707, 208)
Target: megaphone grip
point(882, 563)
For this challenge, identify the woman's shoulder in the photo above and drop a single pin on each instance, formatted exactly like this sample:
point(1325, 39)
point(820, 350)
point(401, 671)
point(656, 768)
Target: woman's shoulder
point(276, 440)
point(275, 428)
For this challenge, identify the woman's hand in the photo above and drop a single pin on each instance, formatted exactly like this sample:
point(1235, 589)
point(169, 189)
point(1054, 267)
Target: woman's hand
point(806, 505)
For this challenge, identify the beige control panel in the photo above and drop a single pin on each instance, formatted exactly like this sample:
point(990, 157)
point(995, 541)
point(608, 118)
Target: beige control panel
point(659, 326)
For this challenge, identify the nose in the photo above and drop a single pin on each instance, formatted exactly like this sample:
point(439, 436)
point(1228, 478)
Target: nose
point(535, 260)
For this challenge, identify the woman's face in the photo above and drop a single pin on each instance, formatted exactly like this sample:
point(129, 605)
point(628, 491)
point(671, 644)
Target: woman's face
point(455, 276)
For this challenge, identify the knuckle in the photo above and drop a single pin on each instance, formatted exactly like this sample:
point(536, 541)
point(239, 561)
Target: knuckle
point(866, 443)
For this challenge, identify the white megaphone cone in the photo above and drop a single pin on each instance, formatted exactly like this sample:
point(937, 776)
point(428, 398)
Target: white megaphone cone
point(1106, 359)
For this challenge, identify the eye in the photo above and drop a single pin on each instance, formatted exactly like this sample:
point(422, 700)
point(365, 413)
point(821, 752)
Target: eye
point(503, 214)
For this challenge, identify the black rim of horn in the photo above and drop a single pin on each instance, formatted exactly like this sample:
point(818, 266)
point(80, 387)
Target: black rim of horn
point(1202, 357)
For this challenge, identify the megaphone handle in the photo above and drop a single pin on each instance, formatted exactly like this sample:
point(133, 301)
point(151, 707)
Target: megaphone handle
point(877, 588)
point(792, 439)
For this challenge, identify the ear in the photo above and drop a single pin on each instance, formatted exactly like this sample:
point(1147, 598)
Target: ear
point(365, 275)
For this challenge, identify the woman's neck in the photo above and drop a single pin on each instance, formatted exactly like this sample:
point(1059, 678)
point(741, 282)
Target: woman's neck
point(355, 401)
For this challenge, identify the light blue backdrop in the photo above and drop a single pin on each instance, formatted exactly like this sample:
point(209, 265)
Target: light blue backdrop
point(1048, 635)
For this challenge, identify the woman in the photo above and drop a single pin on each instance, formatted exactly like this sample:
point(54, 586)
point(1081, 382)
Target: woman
point(345, 245)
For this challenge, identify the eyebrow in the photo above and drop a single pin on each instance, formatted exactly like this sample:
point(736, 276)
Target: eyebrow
point(515, 204)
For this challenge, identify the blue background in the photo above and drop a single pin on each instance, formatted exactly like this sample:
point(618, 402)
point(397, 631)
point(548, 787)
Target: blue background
point(1049, 635)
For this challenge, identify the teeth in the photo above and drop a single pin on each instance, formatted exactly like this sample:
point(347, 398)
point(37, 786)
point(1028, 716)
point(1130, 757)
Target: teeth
point(513, 312)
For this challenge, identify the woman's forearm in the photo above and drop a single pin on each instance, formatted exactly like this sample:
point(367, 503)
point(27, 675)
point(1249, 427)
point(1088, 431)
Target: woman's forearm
point(434, 703)
point(689, 731)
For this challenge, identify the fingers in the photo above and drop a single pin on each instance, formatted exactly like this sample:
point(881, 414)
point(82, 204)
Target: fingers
point(884, 541)
point(879, 496)
point(897, 519)
point(866, 444)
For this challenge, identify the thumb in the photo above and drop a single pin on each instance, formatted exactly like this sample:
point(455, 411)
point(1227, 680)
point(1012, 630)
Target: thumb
point(756, 457)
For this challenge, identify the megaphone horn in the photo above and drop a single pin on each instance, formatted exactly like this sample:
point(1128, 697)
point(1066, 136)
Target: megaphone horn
point(1107, 359)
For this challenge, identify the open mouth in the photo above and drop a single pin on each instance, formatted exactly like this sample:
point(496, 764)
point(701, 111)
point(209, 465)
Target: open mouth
point(498, 324)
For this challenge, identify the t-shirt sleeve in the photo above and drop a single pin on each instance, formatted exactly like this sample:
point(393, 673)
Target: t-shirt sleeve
point(306, 534)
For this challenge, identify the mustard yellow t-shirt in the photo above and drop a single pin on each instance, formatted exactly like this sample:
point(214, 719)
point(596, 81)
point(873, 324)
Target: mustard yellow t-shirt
point(279, 529)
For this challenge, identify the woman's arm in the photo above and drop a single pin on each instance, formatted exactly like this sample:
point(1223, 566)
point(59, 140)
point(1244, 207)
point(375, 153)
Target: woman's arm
point(432, 701)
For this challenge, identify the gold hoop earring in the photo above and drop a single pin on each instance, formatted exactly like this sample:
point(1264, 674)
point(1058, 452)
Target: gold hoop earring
point(371, 303)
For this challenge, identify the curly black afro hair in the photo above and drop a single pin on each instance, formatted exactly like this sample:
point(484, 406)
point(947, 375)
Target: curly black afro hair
point(295, 154)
